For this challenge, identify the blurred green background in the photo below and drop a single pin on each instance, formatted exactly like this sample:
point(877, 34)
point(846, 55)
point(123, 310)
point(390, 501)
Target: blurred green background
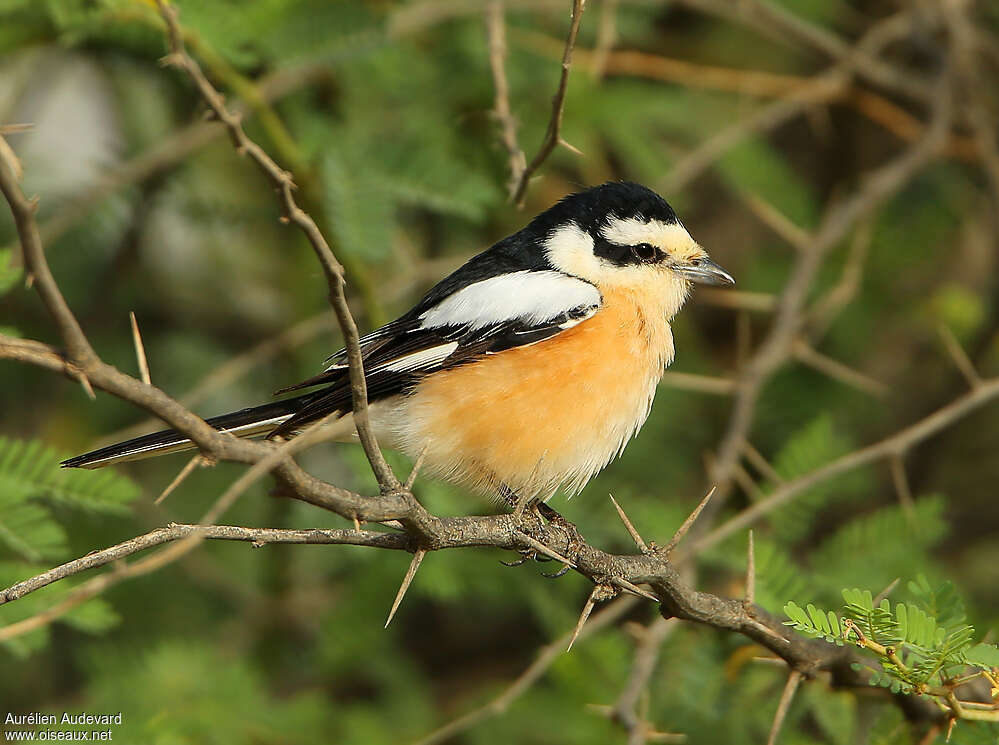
point(382, 110)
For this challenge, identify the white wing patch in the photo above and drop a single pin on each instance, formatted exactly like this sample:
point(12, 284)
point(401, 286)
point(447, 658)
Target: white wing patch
point(423, 358)
point(528, 296)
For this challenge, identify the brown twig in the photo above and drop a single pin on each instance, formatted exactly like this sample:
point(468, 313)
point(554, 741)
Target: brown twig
point(553, 136)
point(807, 355)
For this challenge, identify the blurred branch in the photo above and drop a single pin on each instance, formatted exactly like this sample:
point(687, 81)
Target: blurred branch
point(626, 709)
point(546, 657)
point(80, 353)
point(282, 181)
point(760, 84)
point(496, 30)
point(778, 346)
point(895, 445)
point(553, 136)
point(779, 23)
point(698, 383)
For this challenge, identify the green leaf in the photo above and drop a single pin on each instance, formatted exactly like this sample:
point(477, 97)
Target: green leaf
point(819, 619)
point(360, 212)
point(983, 655)
point(29, 469)
point(95, 616)
point(797, 614)
point(27, 529)
point(808, 448)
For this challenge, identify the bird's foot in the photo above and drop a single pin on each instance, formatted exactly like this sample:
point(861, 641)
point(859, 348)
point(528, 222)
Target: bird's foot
point(573, 539)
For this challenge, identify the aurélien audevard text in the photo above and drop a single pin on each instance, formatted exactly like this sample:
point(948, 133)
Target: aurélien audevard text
point(67, 717)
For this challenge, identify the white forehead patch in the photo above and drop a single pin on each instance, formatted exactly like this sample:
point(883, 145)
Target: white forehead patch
point(630, 231)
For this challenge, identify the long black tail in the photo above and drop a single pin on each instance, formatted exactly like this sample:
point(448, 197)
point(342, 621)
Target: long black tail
point(252, 422)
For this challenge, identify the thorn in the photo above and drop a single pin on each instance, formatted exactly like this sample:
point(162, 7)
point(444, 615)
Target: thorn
point(571, 148)
point(760, 463)
point(597, 594)
point(665, 737)
point(85, 382)
point(628, 525)
point(886, 592)
point(790, 688)
point(633, 588)
point(140, 349)
point(406, 582)
point(179, 478)
point(357, 524)
point(284, 220)
point(601, 709)
point(773, 661)
point(416, 468)
point(768, 631)
point(11, 129)
point(901, 482)
point(959, 357)
point(751, 571)
point(682, 530)
point(543, 549)
point(950, 728)
point(29, 280)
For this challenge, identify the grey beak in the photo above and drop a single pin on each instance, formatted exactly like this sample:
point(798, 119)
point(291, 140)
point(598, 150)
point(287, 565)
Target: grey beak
point(706, 272)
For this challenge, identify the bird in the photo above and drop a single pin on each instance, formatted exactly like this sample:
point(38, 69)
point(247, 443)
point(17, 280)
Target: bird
point(525, 371)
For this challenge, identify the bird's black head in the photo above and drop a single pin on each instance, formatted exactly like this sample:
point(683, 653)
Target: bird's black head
point(616, 234)
point(593, 208)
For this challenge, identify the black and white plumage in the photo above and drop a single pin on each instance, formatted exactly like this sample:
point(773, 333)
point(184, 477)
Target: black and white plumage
point(579, 301)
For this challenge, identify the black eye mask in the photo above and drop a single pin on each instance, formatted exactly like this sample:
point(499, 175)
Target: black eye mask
point(642, 253)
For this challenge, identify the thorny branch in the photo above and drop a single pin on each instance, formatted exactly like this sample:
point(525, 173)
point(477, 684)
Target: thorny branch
point(418, 532)
point(283, 182)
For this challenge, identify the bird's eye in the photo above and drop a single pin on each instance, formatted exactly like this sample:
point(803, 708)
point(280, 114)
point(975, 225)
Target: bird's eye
point(645, 252)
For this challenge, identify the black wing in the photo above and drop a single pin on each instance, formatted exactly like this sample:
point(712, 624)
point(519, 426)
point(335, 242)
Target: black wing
point(483, 318)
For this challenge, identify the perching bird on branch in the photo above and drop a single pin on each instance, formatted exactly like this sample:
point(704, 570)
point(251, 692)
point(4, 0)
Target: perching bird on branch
point(526, 370)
